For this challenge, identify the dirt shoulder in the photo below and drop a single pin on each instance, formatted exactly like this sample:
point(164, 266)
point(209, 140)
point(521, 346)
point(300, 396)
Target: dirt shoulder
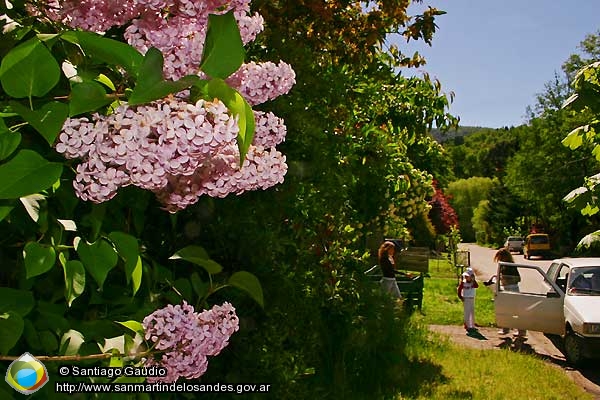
point(536, 343)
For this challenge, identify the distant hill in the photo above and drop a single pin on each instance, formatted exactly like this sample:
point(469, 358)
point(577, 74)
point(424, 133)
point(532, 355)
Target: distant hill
point(453, 133)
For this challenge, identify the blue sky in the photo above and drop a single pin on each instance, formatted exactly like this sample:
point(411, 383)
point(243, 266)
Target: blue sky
point(497, 55)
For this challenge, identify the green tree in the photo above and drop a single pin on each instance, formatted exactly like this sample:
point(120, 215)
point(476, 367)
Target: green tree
point(352, 121)
point(505, 214)
point(481, 226)
point(544, 171)
point(465, 197)
point(484, 152)
point(589, 52)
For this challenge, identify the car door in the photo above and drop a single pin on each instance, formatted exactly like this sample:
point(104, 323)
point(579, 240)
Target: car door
point(536, 306)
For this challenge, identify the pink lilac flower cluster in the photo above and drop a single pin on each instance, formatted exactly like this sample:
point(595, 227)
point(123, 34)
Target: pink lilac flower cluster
point(176, 27)
point(92, 15)
point(179, 151)
point(186, 338)
point(222, 176)
point(181, 37)
point(259, 83)
point(176, 149)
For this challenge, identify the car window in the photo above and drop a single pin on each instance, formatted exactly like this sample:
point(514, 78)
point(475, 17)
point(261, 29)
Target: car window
point(584, 281)
point(539, 240)
point(563, 276)
point(523, 279)
point(552, 271)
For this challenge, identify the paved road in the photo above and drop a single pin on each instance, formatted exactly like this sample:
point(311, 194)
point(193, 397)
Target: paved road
point(482, 260)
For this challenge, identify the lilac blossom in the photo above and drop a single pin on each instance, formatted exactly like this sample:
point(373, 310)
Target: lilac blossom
point(146, 145)
point(261, 82)
point(186, 338)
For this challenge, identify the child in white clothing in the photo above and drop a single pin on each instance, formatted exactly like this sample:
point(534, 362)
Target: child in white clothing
point(466, 294)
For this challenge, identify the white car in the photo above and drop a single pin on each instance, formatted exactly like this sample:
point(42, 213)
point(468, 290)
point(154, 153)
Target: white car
point(563, 303)
point(514, 244)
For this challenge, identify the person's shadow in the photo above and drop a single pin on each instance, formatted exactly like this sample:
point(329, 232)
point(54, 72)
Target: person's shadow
point(520, 345)
point(475, 334)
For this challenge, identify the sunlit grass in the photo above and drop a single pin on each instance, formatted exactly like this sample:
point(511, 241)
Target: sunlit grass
point(442, 370)
point(441, 305)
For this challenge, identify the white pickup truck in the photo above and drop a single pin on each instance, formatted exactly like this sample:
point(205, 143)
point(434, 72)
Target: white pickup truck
point(563, 303)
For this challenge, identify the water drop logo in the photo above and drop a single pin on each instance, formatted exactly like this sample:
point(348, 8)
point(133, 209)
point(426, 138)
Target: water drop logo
point(26, 374)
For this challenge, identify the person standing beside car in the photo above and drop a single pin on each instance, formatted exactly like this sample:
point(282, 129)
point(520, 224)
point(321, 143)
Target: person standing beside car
point(509, 281)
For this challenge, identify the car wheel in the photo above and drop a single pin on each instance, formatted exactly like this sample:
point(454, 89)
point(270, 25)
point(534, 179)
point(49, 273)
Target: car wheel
point(573, 349)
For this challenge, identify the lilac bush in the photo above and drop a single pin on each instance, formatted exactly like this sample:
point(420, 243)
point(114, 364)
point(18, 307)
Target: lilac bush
point(179, 151)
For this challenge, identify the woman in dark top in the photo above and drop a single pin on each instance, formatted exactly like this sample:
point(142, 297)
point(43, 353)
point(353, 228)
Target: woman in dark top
point(386, 259)
point(388, 267)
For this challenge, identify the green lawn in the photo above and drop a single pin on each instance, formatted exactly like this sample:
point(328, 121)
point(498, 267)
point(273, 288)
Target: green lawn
point(441, 305)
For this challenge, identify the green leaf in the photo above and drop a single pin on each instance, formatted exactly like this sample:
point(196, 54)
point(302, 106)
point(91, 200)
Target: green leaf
point(190, 253)
point(575, 138)
point(105, 80)
point(31, 335)
point(19, 301)
point(212, 267)
point(116, 361)
point(133, 325)
point(9, 141)
point(94, 220)
point(249, 283)
point(596, 152)
point(200, 287)
point(74, 273)
point(197, 255)
point(39, 259)
point(128, 248)
point(87, 96)
point(98, 258)
point(8, 144)
point(223, 52)
point(136, 275)
point(238, 106)
point(48, 120)
point(150, 84)
point(48, 341)
point(590, 210)
point(28, 70)
point(11, 329)
point(106, 50)
point(71, 342)
point(27, 173)
point(4, 211)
